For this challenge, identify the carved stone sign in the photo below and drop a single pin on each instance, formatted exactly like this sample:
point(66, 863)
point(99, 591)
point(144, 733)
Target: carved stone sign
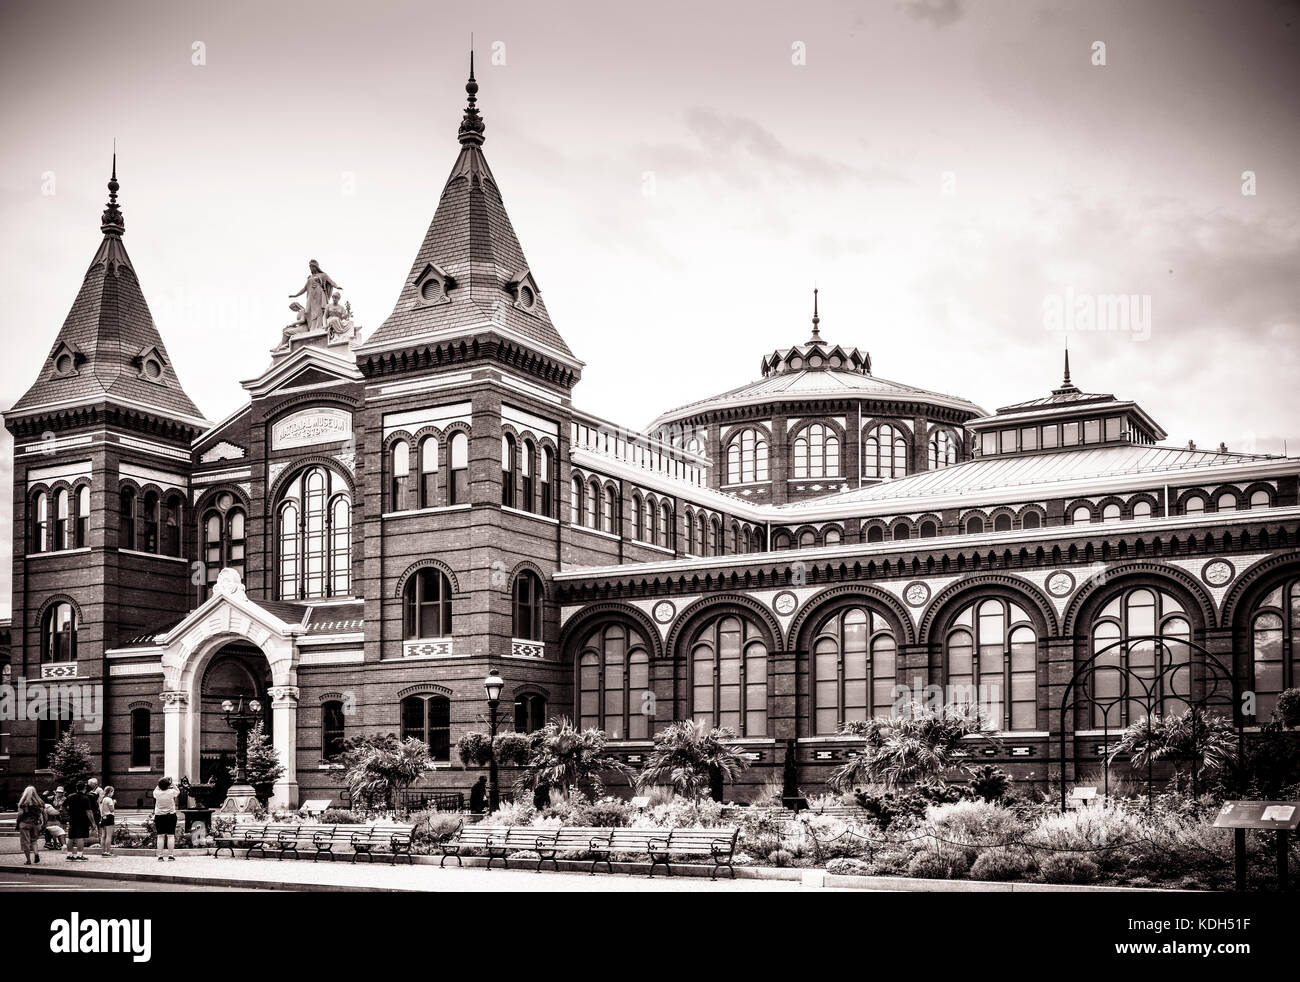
point(311, 426)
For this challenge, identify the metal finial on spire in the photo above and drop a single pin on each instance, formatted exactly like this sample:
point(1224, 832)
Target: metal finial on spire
point(1066, 381)
point(471, 126)
point(112, 223)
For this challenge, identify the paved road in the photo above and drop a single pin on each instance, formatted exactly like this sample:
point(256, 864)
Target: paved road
point(16, 881)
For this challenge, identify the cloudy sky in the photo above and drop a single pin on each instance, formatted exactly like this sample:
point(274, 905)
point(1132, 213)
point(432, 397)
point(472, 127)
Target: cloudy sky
point(681, 175)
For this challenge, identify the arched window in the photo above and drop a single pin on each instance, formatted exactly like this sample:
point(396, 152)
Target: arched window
point(943, 449)
point(1081, 515)
point(141, 743)
point(547, 479)
point(729, 676)
point(59, 633)
point(876, 533)
point(854, 660)
point(613, 668)
point(665, 525)
point(974, 525)
point(884, 452)
point(530, 712)
point(747, 457)
point(1002, 523)
point(235, 540)
point(1135, 614)
point(527, 471)
point(1111, 513)
point(399, 470)
point(83, 516)
point(61, 519)
point(992, 654)
point(126, 519)
point(715, 536)
point(1142, 511)
point(150, 521)
point(781, 540)
point(609, 510)
point(901, 532)
point(332, 729)
point(816, 452)
point(509, 463)
point(528, 607)
point(648, 519)
point(575, 501)
point(458, 464)
point(1260, 499)
point(591, 506)
point(833, 536)
point(1227, 502)
point(426, 605)
point(701, 536)
point(1195, 505)
point(429, 472)
point(172, 525)
point(41, 521)
point(1275, 647)
point(314, 536)
point(929, 529)
point(428, 718)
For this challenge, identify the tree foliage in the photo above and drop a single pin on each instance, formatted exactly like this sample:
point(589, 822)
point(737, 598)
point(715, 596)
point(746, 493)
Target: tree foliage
point(377, 767)
point(919, 744)
point(688, 754)
point(565, 757)
point(1205, 741)
point(70, 760)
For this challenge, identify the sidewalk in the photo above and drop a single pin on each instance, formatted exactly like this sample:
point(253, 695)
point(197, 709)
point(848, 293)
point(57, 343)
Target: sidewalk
point(344, 876)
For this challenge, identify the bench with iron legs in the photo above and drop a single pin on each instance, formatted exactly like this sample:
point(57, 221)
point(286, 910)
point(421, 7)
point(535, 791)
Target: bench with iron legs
point(245, 836)
point(719, 845)
point(285, 838)
point(574, 839)
point(366, 840)
point(496, 841)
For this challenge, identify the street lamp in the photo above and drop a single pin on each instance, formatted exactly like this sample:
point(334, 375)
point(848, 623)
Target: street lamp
point(241, 796)
point(493, 685)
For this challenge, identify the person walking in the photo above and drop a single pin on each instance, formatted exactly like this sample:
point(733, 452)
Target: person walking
point(478, 795)
point(164, 818)
point(31, 820)
point(107, 821)
point(81, 819)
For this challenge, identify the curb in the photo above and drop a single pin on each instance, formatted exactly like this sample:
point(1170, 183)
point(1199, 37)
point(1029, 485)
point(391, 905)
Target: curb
point(181, 879)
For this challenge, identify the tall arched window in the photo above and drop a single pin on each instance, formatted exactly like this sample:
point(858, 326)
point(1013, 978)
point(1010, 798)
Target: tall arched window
point(591, 504)
point(527, 470)
point(172, 525)
point(816, 452)
point(609, 511)
point(41, 522)
point(429, 472)
point(943, 449)
point(992, 654)
point(530, 712)
point(83, 516)
point(458, 464)
point(665, 525)
point(884, 452)
point(509, 463)
point(141, 743)
point(729, 676)
point(613, 670)
point(399, 471)
point(428, 718)
point(59, 633)
point(1275, 647)
point(61, 519)
point(648, 519)
point(1136, 613)
point(150, 543)
point(575, 501)
point(701, 536)
point(126, 519)
point(638, 522)
point(426, 605)
point(747, 457)
point(314, 536)
point(854, 658)
point(528, 607)
point(547, 477)
point(332, 729)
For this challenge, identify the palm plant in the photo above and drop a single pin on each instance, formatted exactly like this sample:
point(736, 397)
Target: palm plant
point(376, 767)
point(565, 757)
point(1207, 741)
point(689, 756)
point(919, 744)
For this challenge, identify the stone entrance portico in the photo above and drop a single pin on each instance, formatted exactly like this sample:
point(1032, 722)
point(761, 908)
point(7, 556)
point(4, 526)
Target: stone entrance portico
point(187, 649)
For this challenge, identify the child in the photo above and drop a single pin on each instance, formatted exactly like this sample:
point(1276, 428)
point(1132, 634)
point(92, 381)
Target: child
point(107, 806)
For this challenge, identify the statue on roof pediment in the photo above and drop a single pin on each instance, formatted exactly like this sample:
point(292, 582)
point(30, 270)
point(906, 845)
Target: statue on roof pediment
point(323, 316)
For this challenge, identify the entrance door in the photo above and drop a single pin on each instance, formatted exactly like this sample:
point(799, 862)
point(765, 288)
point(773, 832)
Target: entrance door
point(236, 671)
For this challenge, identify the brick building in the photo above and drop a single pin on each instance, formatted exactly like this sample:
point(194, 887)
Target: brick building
point(386, 520)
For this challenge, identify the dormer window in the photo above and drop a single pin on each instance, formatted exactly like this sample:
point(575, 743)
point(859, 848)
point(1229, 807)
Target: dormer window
point(66, 359)
point(152, 368)
point(527, 297)
point(432, 284)
point(150, 362)
point(431, 290)
point(524, 288)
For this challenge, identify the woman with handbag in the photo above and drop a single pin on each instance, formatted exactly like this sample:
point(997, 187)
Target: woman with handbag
point(31, 820)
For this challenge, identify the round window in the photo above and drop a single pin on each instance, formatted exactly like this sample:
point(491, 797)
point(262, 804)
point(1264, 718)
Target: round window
point(836, 362)
point(815, 361)
point(225, 501)
point(431, 289)
point(152, 369)
point(526, 296)
point(796, 363)
point(64, 364)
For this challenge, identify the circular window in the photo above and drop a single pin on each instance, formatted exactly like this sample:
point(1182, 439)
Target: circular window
point(526, 296)
point(152, 369)
point(225, 501)
point(815, 361)
point(431, 289)
point(836, 361)
point(796, 363)
point(64, 364)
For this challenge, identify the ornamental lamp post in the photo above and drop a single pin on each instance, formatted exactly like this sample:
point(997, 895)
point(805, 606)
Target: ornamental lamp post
point(241, 796)
point(493, 685)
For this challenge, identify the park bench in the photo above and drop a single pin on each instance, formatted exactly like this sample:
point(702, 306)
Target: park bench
point(719, 845)
point(574, 839)
point(285, 838)
point(497, 841)
point(239, 836)
point(365, 839)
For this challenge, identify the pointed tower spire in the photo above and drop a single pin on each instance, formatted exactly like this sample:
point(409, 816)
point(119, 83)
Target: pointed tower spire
point(112, 223)
point(471, 126)
point(816, 334)
point(1066, 380)
point(1067, 387)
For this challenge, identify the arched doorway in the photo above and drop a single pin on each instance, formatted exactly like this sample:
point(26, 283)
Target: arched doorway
point(238, 670)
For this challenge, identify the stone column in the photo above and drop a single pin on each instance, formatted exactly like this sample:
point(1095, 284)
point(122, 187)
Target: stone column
point(177, 724)
point(284, 735)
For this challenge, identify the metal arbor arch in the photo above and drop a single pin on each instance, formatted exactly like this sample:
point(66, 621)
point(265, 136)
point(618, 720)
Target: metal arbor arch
point(1148, 689)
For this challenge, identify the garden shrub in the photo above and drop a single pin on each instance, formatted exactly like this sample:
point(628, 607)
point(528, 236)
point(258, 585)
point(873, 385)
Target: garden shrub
point(340, 816)
point(608, 812)
point(1063, 867)
point(938, 863)
point(780, 857)
point(514, 813)
point(430, 827)
point(848, 867)
point(1000, 865)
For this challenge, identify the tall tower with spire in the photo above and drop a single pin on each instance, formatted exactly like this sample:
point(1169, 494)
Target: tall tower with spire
point(101, 485)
